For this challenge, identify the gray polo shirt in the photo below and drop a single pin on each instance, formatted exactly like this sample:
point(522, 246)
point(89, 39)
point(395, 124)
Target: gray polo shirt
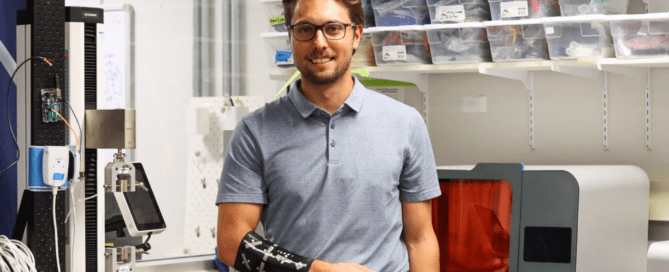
point(332, 186)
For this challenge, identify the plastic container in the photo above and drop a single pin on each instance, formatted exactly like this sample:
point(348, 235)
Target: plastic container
point(578, 37)
point(458, 43)
point(517, 40)
point(524, 9)
point(369, 13)
point(644, 35)
point(364, 55)
point(404, 45)
point(587, 7)
point(275, 16)
point(458, 11)
point(400, 12)
point(278, 48)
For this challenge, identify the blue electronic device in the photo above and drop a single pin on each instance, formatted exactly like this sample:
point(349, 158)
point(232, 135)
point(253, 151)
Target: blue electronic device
point(36, 171)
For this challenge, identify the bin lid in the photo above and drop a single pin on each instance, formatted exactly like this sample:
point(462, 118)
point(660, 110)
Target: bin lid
point(575, 19)
point(394, 28)
point(449, 26)
point(274, 35)
point(638, 17)
point(512, 22)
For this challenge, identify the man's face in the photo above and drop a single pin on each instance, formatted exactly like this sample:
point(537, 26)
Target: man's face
point(320, 60)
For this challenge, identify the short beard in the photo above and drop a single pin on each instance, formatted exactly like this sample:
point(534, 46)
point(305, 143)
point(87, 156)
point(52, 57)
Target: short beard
point(338, 73)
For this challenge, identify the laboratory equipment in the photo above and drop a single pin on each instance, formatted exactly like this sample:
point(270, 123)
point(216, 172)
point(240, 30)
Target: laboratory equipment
point(507, 217)
point(644, 35)
point(454, 43)
point(278, 48)
point(578, 37)
point(405, 45)
point(517, 40)
point(586, 7)
point(400, 12)
point(140, 209)
point(523, 9)
point(458, 11)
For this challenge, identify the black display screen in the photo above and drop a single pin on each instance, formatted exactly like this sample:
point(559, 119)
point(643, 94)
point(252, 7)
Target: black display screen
point(547, 245)
point(143, 205)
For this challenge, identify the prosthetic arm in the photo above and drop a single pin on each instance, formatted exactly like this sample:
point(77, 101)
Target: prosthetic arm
point(257, 254)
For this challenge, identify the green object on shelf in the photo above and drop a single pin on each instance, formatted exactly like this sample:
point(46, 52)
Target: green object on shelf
point(385, 83)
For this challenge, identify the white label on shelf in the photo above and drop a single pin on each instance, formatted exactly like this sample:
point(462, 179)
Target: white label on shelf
point(124, 269)
point(514, 9)
point(550, 30)
point(394, 92)
point(454, 13)
point(394, 52)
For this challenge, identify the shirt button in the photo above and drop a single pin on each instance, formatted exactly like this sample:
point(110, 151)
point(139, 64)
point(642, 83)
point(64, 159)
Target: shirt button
point(332, 126)
point(332, 144)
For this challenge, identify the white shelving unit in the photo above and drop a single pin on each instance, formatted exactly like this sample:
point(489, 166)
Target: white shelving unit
point(596, 69)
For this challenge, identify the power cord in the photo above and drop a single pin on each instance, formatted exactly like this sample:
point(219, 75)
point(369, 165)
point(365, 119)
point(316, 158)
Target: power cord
point(55, 226)
point(9, 120)
point(15, 256)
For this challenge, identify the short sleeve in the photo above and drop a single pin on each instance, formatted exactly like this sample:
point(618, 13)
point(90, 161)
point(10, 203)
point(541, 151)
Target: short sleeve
point(242, 176)
point(419, 181)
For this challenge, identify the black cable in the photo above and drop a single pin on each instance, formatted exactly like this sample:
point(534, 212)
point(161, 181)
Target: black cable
point(9, 120)
point(145, 246)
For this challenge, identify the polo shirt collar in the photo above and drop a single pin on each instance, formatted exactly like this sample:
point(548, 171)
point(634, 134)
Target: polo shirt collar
point(306, 107)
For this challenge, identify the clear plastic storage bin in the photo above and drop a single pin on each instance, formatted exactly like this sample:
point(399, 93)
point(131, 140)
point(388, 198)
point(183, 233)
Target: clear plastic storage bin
point(517, 40)
point(364, 56)
point(578, 37)
point(644, 35)
point(278, 48)
point(457, 43)
point(404, 45)
point(587, 7)
point(275, 17)
point(523, 9)
point(400, 12)
point(369, 13)
point(458, 11)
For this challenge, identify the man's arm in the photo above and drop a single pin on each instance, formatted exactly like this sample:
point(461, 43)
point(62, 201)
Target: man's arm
point(235, 220)
point(419, 236)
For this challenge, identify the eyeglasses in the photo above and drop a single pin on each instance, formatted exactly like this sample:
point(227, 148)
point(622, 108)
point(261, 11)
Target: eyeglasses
point(331, 31)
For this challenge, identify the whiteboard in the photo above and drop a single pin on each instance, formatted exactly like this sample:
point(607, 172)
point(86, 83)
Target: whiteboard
point(118, 63)
point(118, 57)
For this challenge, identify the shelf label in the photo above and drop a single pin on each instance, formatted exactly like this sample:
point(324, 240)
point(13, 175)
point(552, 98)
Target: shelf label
point(514, 9)
point(283, 57)
point(550, 30)
point(455, 13)
point(394, 52)
point(278, 20)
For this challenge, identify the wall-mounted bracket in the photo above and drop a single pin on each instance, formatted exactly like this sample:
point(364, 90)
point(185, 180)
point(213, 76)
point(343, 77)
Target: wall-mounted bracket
point(639, 71)
point(524, 73)
point(590, 71)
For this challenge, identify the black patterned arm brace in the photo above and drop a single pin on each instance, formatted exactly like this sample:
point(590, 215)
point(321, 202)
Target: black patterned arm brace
point(255, 254)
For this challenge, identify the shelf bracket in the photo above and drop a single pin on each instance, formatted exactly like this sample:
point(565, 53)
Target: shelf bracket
point(522, 75)
point(601, 77)
point(605, 107)
point(587, 72)
point(643, 74)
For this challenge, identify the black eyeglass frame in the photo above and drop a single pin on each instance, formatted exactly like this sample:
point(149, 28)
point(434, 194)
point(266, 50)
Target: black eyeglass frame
point(319, 27)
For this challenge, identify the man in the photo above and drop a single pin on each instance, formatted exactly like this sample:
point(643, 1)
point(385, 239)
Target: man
point(340, 176)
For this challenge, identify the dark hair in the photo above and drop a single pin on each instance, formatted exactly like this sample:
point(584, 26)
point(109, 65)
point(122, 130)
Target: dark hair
point(354, 10)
